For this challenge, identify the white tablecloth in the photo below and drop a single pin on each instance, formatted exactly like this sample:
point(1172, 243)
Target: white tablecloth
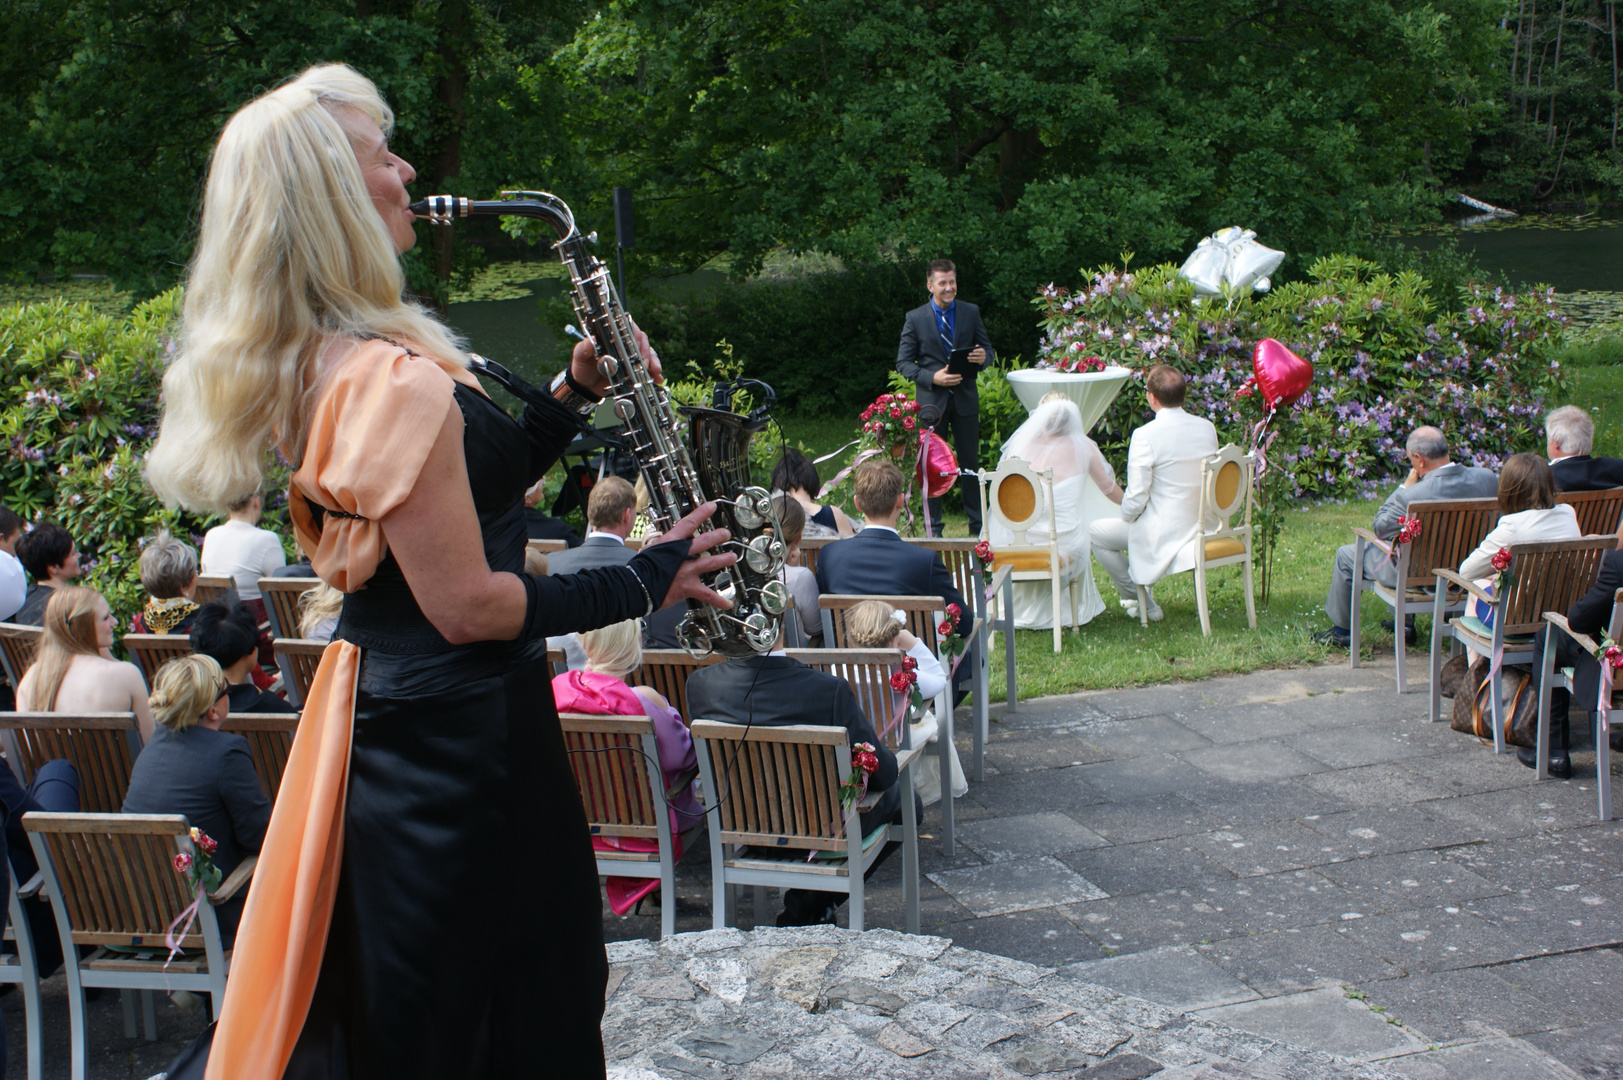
point(1093, 391)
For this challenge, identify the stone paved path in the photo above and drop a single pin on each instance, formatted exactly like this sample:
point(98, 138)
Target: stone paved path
point(1295, 853)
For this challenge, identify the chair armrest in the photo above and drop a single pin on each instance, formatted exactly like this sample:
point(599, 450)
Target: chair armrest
point(682, 783)
point(997, 581)
point(30, 888)
point(1560, 621)
point(1469, 586)
point(1370, 538)
point(236, 882)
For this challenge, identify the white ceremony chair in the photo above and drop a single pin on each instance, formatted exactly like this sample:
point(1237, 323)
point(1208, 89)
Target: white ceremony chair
point(1018, 497)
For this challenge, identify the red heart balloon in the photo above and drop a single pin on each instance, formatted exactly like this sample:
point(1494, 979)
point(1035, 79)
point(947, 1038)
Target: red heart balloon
point(1282, 376)
point(937, 468)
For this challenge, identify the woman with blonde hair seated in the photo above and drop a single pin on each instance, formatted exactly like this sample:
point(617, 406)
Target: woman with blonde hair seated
point(1085, 489)
point(75, 671)
point(169, 575)
point(319, 609)
point(600, 689)
point(191, 767)
point(874, 624)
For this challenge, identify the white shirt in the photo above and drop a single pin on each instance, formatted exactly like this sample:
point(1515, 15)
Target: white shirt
point(13, 585)
point(887, 528)
point(592, 534)
point(243, 552)
point(932, 676)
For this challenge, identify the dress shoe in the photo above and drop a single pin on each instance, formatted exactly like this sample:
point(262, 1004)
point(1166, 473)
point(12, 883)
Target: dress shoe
point(1409, 634)
point(1335, 637)
point(1560, 764)
point(1131, 607)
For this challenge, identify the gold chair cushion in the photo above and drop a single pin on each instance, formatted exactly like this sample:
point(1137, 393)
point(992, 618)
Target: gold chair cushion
point(1023, 560)
point(1224, 547)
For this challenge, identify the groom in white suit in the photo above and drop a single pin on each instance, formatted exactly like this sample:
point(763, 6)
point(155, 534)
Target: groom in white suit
point(1161, 511)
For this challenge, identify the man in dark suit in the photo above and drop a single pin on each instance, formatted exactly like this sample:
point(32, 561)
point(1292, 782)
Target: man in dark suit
point(1568, 435)
point(775, 691)
point(1590, 615)
point(929, 334)
point(877, 560)
point(540, 525)
point(609, 514)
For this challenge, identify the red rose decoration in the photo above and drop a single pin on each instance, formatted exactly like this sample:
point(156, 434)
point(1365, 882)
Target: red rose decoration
point(183, 863)
point(983, 551)
point(886, 398)
point(954, 610)
point(207, 843)
point(1614, 656)
point(912, 406)
point(898, 681)
point(944, 629)
point(908, 664)
point(909, 423)
point(1501, 560)
point(866, 760)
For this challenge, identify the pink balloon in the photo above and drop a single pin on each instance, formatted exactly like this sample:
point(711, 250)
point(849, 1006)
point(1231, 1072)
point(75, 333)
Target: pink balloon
point(1282, 376)
point(938, 467)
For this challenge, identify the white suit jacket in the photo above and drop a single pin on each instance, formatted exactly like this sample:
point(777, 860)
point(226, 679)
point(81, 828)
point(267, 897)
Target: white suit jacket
point(13, 586)
point(1162, 504)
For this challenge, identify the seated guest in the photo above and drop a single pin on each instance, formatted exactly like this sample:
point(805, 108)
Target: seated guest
point(775, 691)
point(319, 609)
point(1528, 513)
point(1590, 614)
point(13, 582)
point(1432, 476)
point(228, 636)
point(74, 671)
point(51, 558)
point(302, 568)
point(542, 526)
point(874, 624)
point(1053, 438)
point(801, 581)
point(642, 524)
point(243, 552)
point(1160, 512)
point(191, 767)
point(610, 511)
point(613, 653)
point(796, 476)
point(536, 563)
point(1568, 435)
point(169, 574)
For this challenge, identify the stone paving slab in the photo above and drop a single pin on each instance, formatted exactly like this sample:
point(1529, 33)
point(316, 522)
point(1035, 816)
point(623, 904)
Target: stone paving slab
point(1326, 1019)
point(1178, 977)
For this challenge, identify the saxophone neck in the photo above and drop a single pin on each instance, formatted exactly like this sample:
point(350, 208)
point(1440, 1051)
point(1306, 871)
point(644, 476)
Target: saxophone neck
point(542, 205)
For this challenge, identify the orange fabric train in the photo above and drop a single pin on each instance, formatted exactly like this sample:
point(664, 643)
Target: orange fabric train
point(289, 908)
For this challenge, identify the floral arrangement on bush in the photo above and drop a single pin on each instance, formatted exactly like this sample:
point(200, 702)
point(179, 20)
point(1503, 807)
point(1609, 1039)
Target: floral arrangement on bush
point(1071, 365)
point(891, 422)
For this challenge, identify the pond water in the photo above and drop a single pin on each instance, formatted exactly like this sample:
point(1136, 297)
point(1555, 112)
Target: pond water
point(1572, 254)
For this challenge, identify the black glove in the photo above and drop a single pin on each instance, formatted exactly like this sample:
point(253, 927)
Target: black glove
point(571, 603)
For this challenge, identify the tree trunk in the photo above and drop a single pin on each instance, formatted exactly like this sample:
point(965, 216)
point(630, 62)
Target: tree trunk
point(1516, 53)
point(455, 48)
point(1611, 12)
point(1555, 72)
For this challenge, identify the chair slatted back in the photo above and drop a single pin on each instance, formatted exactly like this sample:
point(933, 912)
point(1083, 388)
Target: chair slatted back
point(867, 672)
point(152, 651)
point(778, 787)
point(809, 548)
point(667, 671)
point(214, 589)
point(1450, 529)
point(614, 778)
point(270, 740)
point(117, 874)
point(547, 547)
point(921, 612)
point(302, 657)
point(959, 555)
point(101, 746)
point(281, 595)
point(1549, 576)
point(1599, 512)
point(18, 646)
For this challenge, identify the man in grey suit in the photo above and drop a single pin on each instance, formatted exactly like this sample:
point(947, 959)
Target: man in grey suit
point(1431, 476)
point(610, 510)
point(929, 333)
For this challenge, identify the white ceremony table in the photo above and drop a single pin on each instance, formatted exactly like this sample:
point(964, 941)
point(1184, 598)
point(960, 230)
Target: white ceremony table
point(1093, 391)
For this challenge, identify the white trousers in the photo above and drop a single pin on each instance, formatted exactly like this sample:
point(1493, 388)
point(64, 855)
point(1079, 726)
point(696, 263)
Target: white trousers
point(1109, 539)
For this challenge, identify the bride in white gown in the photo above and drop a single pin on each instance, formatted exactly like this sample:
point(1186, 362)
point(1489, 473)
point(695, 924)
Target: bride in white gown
point(1085, 489)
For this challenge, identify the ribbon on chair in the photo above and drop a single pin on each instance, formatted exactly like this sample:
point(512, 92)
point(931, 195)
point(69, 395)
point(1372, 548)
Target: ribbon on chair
point(1259, 445)
point(171, 939)
point(1603, 702)
point(839, 477)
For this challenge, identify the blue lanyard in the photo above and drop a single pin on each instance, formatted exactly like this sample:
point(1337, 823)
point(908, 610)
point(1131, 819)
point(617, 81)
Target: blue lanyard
point(944, 322)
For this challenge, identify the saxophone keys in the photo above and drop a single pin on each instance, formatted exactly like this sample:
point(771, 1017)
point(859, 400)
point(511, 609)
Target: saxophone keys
point(776, 598)
point(760, 632)
point(608, 367)
point(764, 554)
point(624, 409)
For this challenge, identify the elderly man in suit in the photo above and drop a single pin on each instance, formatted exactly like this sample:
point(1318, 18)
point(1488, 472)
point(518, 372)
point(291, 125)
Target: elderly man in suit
point(610, 510)
point(1160, 513)
point(1568, 435)
point(929, 334)
point(1432, 475)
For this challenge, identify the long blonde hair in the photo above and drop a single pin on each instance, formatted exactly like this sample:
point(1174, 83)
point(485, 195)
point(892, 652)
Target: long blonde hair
point(317, 605)
point(291, 254)
point(615, 649)
point(70, 631)
point(185, 688)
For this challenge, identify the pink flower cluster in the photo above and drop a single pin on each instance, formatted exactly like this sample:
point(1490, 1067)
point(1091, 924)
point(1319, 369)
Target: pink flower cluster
point(891, 418)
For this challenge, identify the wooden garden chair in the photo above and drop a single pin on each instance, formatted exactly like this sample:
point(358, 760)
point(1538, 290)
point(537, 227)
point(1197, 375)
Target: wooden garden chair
point(924, 614)
point(1018, 497)
point(547, 547)
point(281, 596)
point(1600, 513)
point(958, 553)
point(1546, 576)
point(22, 967)
point(666, 671)
point(101, 746)
point(270, 740)
point(615, 761)
point(298, 659)
point(1450, 529)
point(809, 549)
point(152, 651)
point(215, 589)
point(19, 645)
point(1552, 678)
point(777, 790)
point(111, 881)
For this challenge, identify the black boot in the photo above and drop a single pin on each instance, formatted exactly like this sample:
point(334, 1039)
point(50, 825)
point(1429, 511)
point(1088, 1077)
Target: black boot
point(1560, 761)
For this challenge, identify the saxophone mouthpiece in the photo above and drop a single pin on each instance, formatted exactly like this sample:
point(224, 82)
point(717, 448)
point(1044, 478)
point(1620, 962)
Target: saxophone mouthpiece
point(440, 209)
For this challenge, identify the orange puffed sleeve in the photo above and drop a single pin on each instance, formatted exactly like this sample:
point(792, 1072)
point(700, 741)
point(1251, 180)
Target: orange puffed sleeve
point(374, 424)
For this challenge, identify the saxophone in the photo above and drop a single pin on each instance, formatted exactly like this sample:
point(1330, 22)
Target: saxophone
point(687, 456)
